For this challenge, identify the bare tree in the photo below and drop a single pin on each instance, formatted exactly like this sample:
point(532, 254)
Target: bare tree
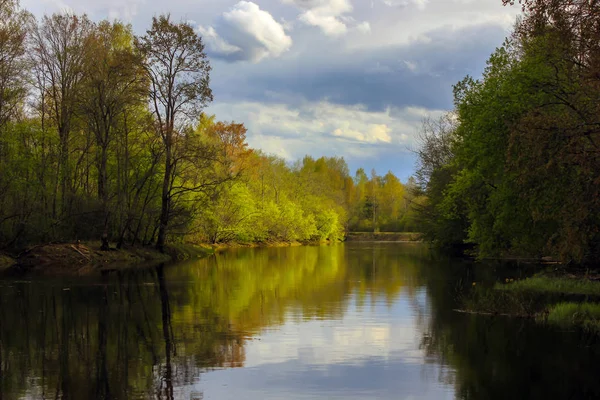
point(435, 146)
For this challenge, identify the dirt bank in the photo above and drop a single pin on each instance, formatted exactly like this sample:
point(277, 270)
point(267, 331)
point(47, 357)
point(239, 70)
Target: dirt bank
point(87, 256)
point(82, 256)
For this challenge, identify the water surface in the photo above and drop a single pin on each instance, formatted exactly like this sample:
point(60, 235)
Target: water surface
point(354, 321)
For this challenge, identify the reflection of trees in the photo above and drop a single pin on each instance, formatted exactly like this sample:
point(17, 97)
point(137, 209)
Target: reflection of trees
point(167, 334)
point(103, 339)
point(502, 358)
point(146, 333)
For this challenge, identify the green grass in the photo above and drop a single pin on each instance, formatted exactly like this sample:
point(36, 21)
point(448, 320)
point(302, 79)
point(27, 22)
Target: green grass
point(545, 284)
point(544, 297)
point(585, 315)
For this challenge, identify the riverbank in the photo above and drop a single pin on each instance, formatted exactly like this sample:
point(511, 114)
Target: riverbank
point(83, 256)
point(383, 237)
point(70, 257)
point(566, 299)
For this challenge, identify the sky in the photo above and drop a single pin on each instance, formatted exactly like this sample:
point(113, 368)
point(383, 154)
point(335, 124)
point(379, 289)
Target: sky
point(350, 78)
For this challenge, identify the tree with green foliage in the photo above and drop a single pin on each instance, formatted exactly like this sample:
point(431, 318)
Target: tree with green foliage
point(114, 83)
point(519, 172)
point(60, 44)
point(178, 70)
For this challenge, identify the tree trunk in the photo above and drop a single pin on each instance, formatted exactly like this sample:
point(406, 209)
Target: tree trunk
point(166, 201)
point(103, 195)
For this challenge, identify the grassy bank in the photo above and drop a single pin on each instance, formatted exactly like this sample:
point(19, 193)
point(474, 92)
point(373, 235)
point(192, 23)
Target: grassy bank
point(582, 315)
point(383, 237)
point(553, 284)
point(562, 300)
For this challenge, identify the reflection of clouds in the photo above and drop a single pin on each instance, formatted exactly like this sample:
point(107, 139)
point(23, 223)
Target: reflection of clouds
point(372, 351)
point(355, 338)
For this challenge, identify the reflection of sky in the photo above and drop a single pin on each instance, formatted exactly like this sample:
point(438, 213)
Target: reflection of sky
point(372, 352)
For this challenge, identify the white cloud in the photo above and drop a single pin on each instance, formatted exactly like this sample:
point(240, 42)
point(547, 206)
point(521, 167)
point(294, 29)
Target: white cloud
point(374, 133)
point(364, 27)
point(323, 128)
point(246, 32)
point(329, 15)
point(216, 42)
point(406, 22)
point(420, 4)
point(329, 24)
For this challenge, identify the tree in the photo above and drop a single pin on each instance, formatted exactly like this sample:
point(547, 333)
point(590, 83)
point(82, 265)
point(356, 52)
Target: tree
point(178, 71)
point(556, 145)
point(435, 147)
point(13, 64)
point(13, 90)
point(58, 50)
point(113, 83)
point(392, 196)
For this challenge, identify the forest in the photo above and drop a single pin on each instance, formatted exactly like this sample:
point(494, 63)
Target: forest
point(103, 136)
point(514, 169)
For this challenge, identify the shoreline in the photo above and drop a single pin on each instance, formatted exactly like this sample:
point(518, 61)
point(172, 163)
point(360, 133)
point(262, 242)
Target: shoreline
point(69, 256)
point(87, 256)
point(557, 298)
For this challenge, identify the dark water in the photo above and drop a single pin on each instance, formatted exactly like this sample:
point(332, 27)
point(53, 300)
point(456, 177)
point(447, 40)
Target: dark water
point(355, 321)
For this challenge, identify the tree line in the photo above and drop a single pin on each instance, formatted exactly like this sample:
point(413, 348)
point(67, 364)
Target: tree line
point(103, 135)
point(514, 169)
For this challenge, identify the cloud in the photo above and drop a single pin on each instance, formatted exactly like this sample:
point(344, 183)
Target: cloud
point(398, 76)
point(364, 27)
point(246, 33)
point(326, 129)
point(113, 9)
point(328, 15)
point(216, 43)
point(420, 4)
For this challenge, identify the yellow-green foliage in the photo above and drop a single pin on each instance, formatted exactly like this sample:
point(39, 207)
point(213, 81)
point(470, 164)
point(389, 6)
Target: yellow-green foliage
point(312, 200)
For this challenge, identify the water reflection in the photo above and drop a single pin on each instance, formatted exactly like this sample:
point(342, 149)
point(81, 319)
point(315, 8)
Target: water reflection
point(356, 321)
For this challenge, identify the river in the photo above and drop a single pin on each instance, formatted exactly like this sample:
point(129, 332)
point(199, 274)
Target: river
point(352, 321)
